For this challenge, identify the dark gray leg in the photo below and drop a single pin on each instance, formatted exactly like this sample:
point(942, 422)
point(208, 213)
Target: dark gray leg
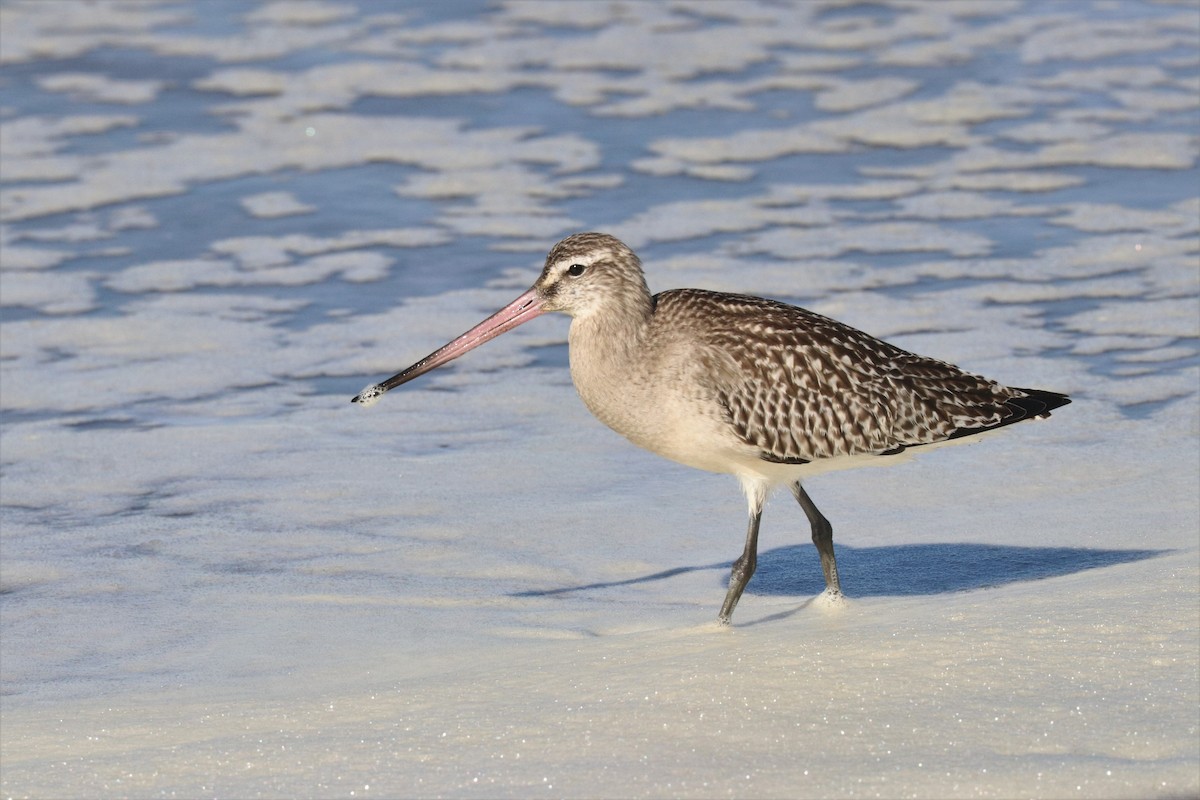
point(743, 568)
point(822, 536)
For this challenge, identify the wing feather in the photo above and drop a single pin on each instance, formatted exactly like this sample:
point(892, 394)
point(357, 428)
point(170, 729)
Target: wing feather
point(798, 386)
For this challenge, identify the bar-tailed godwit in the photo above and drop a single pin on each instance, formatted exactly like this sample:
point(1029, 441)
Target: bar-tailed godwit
point(759, 389)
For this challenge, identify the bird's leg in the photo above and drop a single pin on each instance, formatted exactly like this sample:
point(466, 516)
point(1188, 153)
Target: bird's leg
point(743, 568)
point(822, 536)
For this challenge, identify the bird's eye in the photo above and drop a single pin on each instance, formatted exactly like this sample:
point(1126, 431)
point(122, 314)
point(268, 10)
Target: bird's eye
point(575, 270)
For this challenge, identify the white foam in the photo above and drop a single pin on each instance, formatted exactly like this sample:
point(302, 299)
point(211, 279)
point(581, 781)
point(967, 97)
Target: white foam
point(370, 395)
point(275, 204)
point(100, 88)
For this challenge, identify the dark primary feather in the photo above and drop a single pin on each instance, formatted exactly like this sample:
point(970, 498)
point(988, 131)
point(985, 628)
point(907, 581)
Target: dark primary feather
point(799, 386)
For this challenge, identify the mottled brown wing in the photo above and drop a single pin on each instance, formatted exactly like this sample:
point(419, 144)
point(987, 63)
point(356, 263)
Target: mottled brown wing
point(799, 386)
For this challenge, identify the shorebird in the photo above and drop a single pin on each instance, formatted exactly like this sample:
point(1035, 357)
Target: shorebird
point(765, 391)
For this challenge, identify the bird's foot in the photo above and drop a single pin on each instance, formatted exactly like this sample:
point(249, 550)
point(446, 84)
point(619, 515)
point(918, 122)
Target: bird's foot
point(831, 597)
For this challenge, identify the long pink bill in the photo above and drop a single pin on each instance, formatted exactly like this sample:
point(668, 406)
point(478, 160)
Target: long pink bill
point(523, 309)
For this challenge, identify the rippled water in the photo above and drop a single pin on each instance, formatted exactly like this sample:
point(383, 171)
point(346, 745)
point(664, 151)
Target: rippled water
point(222, 219)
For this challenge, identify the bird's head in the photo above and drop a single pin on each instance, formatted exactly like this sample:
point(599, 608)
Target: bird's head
point(588, 272)
point(584, 274)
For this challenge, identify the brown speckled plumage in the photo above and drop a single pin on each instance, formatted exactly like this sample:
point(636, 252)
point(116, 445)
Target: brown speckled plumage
point(804, 387)
point(759, 389)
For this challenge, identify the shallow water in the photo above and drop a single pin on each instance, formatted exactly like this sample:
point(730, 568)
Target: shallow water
point(221, 220)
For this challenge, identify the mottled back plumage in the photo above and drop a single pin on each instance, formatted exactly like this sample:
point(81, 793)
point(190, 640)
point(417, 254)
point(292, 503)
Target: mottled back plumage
point(799, 386)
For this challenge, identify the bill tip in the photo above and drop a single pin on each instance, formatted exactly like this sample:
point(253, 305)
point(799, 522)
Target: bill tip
point(369, 396)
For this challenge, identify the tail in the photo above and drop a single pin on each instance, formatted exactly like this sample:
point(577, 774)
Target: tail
point(1036, 404)
point(1033, 404)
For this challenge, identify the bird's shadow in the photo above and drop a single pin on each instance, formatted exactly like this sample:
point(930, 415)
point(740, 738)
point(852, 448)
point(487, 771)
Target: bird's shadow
point(895, 570)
